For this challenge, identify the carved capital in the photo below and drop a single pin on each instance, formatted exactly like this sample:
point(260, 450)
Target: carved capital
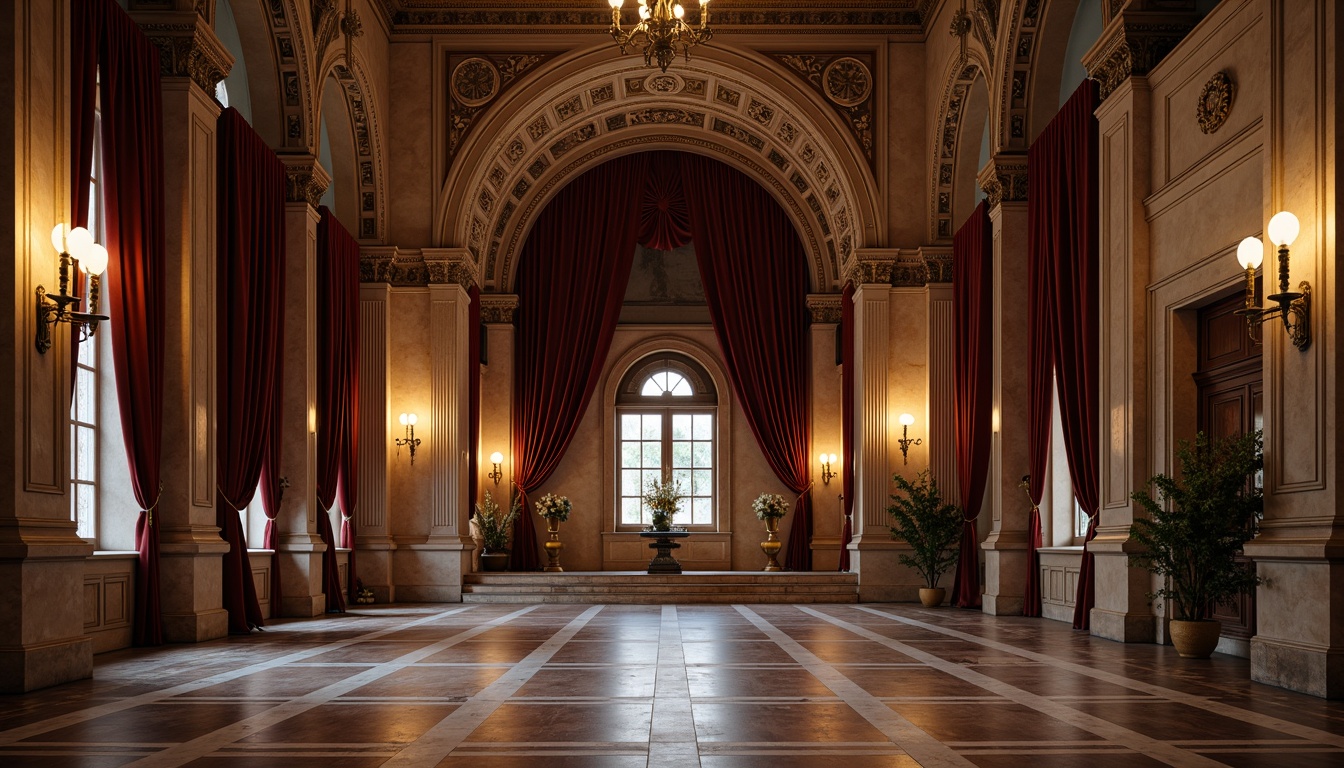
point(1133, 43)
point(824, 307)
point(1004, 178)
point(909, 272)
point(871, 266)
point(937, 264)
point(305, 179)
point(499, 307)
point(450, 266)
point(188, 47)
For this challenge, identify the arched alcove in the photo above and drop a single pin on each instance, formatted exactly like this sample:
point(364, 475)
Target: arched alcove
point(349, 110)
point(277, 71)
point(962, 116)
point(575, 113)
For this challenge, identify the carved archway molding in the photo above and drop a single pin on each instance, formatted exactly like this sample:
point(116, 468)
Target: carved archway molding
point(362, 105)
point(576, 113)
point(947, 143)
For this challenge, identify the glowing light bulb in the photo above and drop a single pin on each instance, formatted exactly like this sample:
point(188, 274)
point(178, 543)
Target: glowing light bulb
point(405, 419)
point(678, 11)
point(616, 3)
point(496, 458)
point(58, 235)
point(832, 459)
point(411, 419)
point(1250, 253)
point(94, 260)
point(78, 242)
point(1283, 228)
point(907, 419)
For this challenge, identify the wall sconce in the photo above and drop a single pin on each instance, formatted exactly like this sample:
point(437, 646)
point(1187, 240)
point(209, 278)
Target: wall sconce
point(1293, 307)
point(905, 441)
point(496, 458)
point(411, 441)
point(826, 461)
point(73, 245)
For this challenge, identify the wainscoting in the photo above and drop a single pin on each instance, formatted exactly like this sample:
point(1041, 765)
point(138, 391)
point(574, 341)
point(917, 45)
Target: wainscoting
point(109, 599)
point(699, 552)
point(1059, 581)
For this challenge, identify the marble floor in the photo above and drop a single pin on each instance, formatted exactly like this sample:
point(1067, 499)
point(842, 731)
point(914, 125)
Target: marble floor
point(595, 686)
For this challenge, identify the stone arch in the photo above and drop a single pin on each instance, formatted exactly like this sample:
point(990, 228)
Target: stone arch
point(1025, 101)
point(274, 42)
point(575, 113)
point(964, 107)
point(359, 149)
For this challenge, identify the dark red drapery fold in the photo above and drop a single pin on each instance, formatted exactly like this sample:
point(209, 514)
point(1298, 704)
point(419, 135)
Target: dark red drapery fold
point(1062, 232)
point(108, 44)
point(571, 282)
point(847, 418)
point(250, 337)
point(743, 238)
point(1040, 413)
point(972, 313)
point(664, 218)
point(337, 387)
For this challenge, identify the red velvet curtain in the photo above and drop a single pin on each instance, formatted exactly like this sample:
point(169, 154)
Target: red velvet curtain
point(972, 315)
point(847, 417)
point(106, 42)
point(754, 272)
point(1040, 416)
point(338, 387)
point(1062, 212)
point(250, 335)
point(572, 274)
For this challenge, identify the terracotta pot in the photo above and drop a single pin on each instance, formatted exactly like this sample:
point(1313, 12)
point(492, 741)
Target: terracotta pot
point(1195, 639)
point(932, 598)
point(495, 562)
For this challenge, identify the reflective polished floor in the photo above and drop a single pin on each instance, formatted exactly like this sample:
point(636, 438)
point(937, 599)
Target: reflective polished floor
point(491, 686)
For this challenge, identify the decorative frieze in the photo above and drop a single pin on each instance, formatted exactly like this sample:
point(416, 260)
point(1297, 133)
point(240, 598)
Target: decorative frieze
point(563, 16)
point(305, 179)
point(432, 266)
point(187, 48)
point(937, 264)
point(499, 307)
point(824, 307)
point(909, 272)
point(1004, 179)
point(871, 266)
point(1133, 43)
point(450, 266)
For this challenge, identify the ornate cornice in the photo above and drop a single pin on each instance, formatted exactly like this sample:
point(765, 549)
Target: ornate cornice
point(1133, 43)
point(431, 266)
point(824, 307)
point(188, 48)
point(937, 264)
point(871, 266)
point(305, 179)
point(1004, 179)
point(909, 272)
point(499, 307)
point(450, 266)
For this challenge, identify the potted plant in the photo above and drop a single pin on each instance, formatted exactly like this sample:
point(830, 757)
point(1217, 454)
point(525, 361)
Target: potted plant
point(770, 507)
point(1192, 536)
point(495, 527)
point(555, 509)
point(663, 500)
point(931, 527)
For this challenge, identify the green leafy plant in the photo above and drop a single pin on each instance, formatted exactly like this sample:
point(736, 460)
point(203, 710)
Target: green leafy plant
point(494, 524)
point(930, 526)
point(1193, 535)
point(663, 501)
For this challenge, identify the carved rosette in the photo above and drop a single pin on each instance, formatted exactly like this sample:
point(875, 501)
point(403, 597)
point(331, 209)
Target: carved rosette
point(305, 180)
point(824, 307)
point(1004, 179)
point(1135, 43)
point(190, 50)
point(1215, 102)
point(475, 81)
point(846, 81)
point(499, 307)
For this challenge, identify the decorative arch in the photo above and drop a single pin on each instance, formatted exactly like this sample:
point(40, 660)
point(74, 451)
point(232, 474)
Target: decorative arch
point(571, 114)
point(275, 43)
point(1025, 102)
point(360, 179)
point(963, 107)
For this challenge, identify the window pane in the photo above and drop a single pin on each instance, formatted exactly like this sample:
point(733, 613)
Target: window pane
point(701, 514)
point(681, 454)
point(84, 385)
point(683, 476)
point(630, 511)
point(681, 426)
point(703, 483)
point(87, 351)
point(84, 454)
point(630, 426)
point(704, 426)
point(651, 388)
point(653, 426)
point(649, 476)
point(704, 455)
point(630, 454)
point(680, 386)
point(653, 455)
point(86, 501)
point(630, 482)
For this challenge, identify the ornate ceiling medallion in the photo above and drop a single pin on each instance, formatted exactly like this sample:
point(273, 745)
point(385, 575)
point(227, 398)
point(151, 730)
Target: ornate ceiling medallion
point(847, 81)
point(1215, 102)
point(475, 81)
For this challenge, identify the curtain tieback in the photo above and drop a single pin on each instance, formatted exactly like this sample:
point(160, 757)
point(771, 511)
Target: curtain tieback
point(149, 511)
point(227, 500)
point(803, 492)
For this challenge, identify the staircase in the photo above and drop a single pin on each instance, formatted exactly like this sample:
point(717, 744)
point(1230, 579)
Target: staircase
point(638, 587)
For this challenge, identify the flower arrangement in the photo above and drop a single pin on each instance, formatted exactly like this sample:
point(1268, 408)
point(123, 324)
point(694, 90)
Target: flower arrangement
point(663, 499)
point(493, 524)
point(554, 507)
point(769, 505)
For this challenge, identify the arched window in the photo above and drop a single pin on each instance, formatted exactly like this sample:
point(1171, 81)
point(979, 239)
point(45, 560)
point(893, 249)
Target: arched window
point(666, 413)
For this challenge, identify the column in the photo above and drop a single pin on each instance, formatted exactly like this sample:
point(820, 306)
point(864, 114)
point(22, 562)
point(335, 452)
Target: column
point(42, 638)
point(942, 417)
point(1134, 41)
point(1004, 180)
point(373, 534)
point(497, 314)
point(827, 513)
point(300, 548)
point(430, 564)
point(193, 61)
point(1300, 635)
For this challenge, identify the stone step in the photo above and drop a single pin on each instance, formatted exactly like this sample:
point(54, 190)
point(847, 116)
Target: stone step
point(637, 587)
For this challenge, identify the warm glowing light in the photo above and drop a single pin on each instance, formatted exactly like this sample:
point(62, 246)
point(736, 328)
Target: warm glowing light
point(58, 235)
point(678, 11)
point(496, 457)
point(615, 3)
point(1283, 228)
point(77, 241)
point(411, 418)
point(94, 260)
point(1250, 253)
point(907, 419)
point(404, 419)
point(644, 12)
point(831, 459)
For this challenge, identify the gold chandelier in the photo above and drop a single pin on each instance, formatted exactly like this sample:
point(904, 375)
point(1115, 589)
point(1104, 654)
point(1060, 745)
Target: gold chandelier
point(660, 30)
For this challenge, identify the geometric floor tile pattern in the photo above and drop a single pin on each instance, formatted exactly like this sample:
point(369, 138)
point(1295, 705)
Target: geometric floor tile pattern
point(716, 686)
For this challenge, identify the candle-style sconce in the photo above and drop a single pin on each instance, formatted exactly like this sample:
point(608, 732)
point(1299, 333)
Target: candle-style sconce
point(410, 440)
point(906, 441)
